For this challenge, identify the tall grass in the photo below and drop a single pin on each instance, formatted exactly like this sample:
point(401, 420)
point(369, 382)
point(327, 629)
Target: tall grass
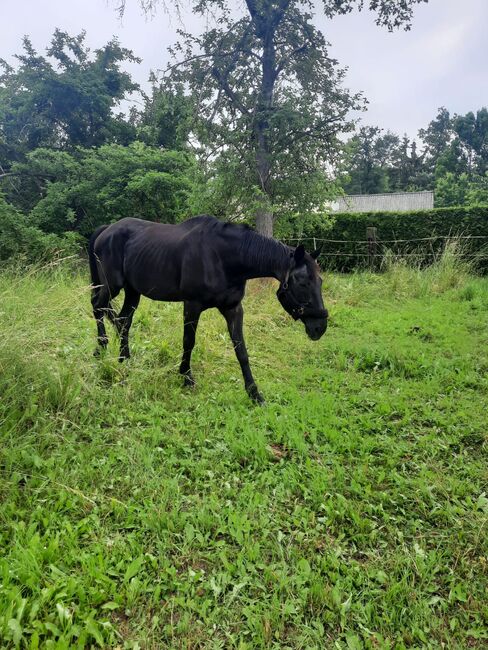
point(349, 512)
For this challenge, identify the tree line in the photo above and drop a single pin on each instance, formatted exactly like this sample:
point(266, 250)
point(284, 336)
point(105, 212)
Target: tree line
point(452, 159)
point(248, 121)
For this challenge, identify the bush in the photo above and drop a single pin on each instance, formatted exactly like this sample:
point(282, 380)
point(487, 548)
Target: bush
point(21, 241)
point(419, 237)
point(92, 187)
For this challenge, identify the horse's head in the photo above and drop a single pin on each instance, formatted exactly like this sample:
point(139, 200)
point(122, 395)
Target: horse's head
point(300, 293)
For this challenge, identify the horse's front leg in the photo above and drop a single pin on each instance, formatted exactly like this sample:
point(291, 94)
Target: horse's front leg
point(234, 318)
point(191, 316)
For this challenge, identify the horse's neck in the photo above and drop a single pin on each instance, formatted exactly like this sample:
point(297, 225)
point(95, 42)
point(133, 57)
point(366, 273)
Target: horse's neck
point(263, 257)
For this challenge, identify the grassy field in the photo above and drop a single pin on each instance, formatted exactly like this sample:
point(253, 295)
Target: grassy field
point(349, 512)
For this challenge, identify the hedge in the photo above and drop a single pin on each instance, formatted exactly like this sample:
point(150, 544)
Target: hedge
point(419, 236)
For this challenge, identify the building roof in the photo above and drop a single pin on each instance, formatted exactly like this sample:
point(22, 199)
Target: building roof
point(390, 202)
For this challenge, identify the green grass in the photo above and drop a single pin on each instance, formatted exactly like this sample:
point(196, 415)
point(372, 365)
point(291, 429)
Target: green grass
point(349, 512)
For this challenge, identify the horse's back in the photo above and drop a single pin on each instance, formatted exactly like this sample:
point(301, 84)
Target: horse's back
point(156, 259)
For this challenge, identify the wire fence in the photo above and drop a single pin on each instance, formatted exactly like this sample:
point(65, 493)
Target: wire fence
point(386, 241)
point(371, 251)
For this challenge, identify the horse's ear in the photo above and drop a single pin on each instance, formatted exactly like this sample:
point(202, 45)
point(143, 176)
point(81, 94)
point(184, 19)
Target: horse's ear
point(299, 254)
point(315, 254)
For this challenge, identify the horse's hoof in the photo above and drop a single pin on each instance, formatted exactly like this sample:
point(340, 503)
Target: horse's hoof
point(123, 357)
point(188, 381)
point(98, 352)
point(255, 395)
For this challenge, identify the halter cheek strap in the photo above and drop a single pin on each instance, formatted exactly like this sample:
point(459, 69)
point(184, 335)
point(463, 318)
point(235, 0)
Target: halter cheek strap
point(284, 282)
point(295, 308)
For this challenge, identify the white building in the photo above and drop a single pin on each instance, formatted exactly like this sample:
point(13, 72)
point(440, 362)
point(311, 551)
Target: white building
point(392, 202)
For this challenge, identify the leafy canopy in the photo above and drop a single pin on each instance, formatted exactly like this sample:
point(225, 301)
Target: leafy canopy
point(269, 101)
point(64, 99)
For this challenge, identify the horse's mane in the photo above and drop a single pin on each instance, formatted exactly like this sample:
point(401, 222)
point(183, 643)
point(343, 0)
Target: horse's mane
point(257, 250)
point(254, 250)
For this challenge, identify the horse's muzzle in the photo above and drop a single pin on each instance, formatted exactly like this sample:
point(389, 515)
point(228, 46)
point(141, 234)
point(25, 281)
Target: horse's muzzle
point(315, 327)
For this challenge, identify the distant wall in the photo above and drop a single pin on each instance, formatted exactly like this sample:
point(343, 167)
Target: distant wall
point(393, 202)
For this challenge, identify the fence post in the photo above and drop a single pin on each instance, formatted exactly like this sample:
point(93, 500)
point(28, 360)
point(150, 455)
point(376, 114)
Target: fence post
point(371, 236)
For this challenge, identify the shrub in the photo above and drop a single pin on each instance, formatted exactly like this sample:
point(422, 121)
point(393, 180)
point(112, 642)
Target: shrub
point(21, 241)
point(97, 186)
point(419, 237)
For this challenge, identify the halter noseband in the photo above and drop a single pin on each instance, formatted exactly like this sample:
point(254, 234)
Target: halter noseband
point(295, 308)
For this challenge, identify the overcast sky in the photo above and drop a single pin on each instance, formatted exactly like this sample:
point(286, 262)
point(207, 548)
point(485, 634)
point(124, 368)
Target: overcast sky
point(406, 76)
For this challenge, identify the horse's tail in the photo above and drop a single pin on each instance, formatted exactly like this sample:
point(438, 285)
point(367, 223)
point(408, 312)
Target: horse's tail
point(95, 277)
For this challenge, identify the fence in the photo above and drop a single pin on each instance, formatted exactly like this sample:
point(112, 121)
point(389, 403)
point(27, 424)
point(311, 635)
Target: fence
point(351, 240)
point(371, 251)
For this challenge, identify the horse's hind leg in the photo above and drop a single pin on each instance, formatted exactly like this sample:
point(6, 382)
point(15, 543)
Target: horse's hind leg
point(124, 320)
point(191, 316)
point(102, 307)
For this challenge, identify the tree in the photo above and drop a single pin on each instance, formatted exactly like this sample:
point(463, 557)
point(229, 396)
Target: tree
point(63, 100)
point(461, 189)
point(373, 162)
point(436, 138)
point(166, 119)
point(477, 193)
point(472, 133)
point(20, 239)
point(456, 157)
point(451, 189)
point(367, 161)
point(268, 93)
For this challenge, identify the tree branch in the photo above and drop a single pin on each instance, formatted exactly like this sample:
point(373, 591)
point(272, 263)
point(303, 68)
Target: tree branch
point(33, 174)
point(286, 59)
point(224, 84)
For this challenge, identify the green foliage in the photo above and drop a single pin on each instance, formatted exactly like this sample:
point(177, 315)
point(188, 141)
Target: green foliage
point(95, 186)
point(472, 133)
point(366, 161)
point(453, 160)
point(477, 193)
point(395, 232)
point(65, 99)
point(166, 120)
point(462, 189)
point(21, 242)
point(296, 198)
point(266, 110)
point(268, 97)
point(349, 512)
point(456, 157)
point(451, 189)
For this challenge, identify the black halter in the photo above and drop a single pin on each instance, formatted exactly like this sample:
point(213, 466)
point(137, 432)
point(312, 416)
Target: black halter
point(295, 308)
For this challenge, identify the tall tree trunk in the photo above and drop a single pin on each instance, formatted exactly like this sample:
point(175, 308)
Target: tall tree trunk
point(264, 218)
point(264, 213)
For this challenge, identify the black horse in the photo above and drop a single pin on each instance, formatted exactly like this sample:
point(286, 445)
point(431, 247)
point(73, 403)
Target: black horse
point(204, 263)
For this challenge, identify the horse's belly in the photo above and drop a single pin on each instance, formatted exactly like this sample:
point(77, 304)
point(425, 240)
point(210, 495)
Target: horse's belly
point(151, 272)
point(157, 287)
point(169, 272)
